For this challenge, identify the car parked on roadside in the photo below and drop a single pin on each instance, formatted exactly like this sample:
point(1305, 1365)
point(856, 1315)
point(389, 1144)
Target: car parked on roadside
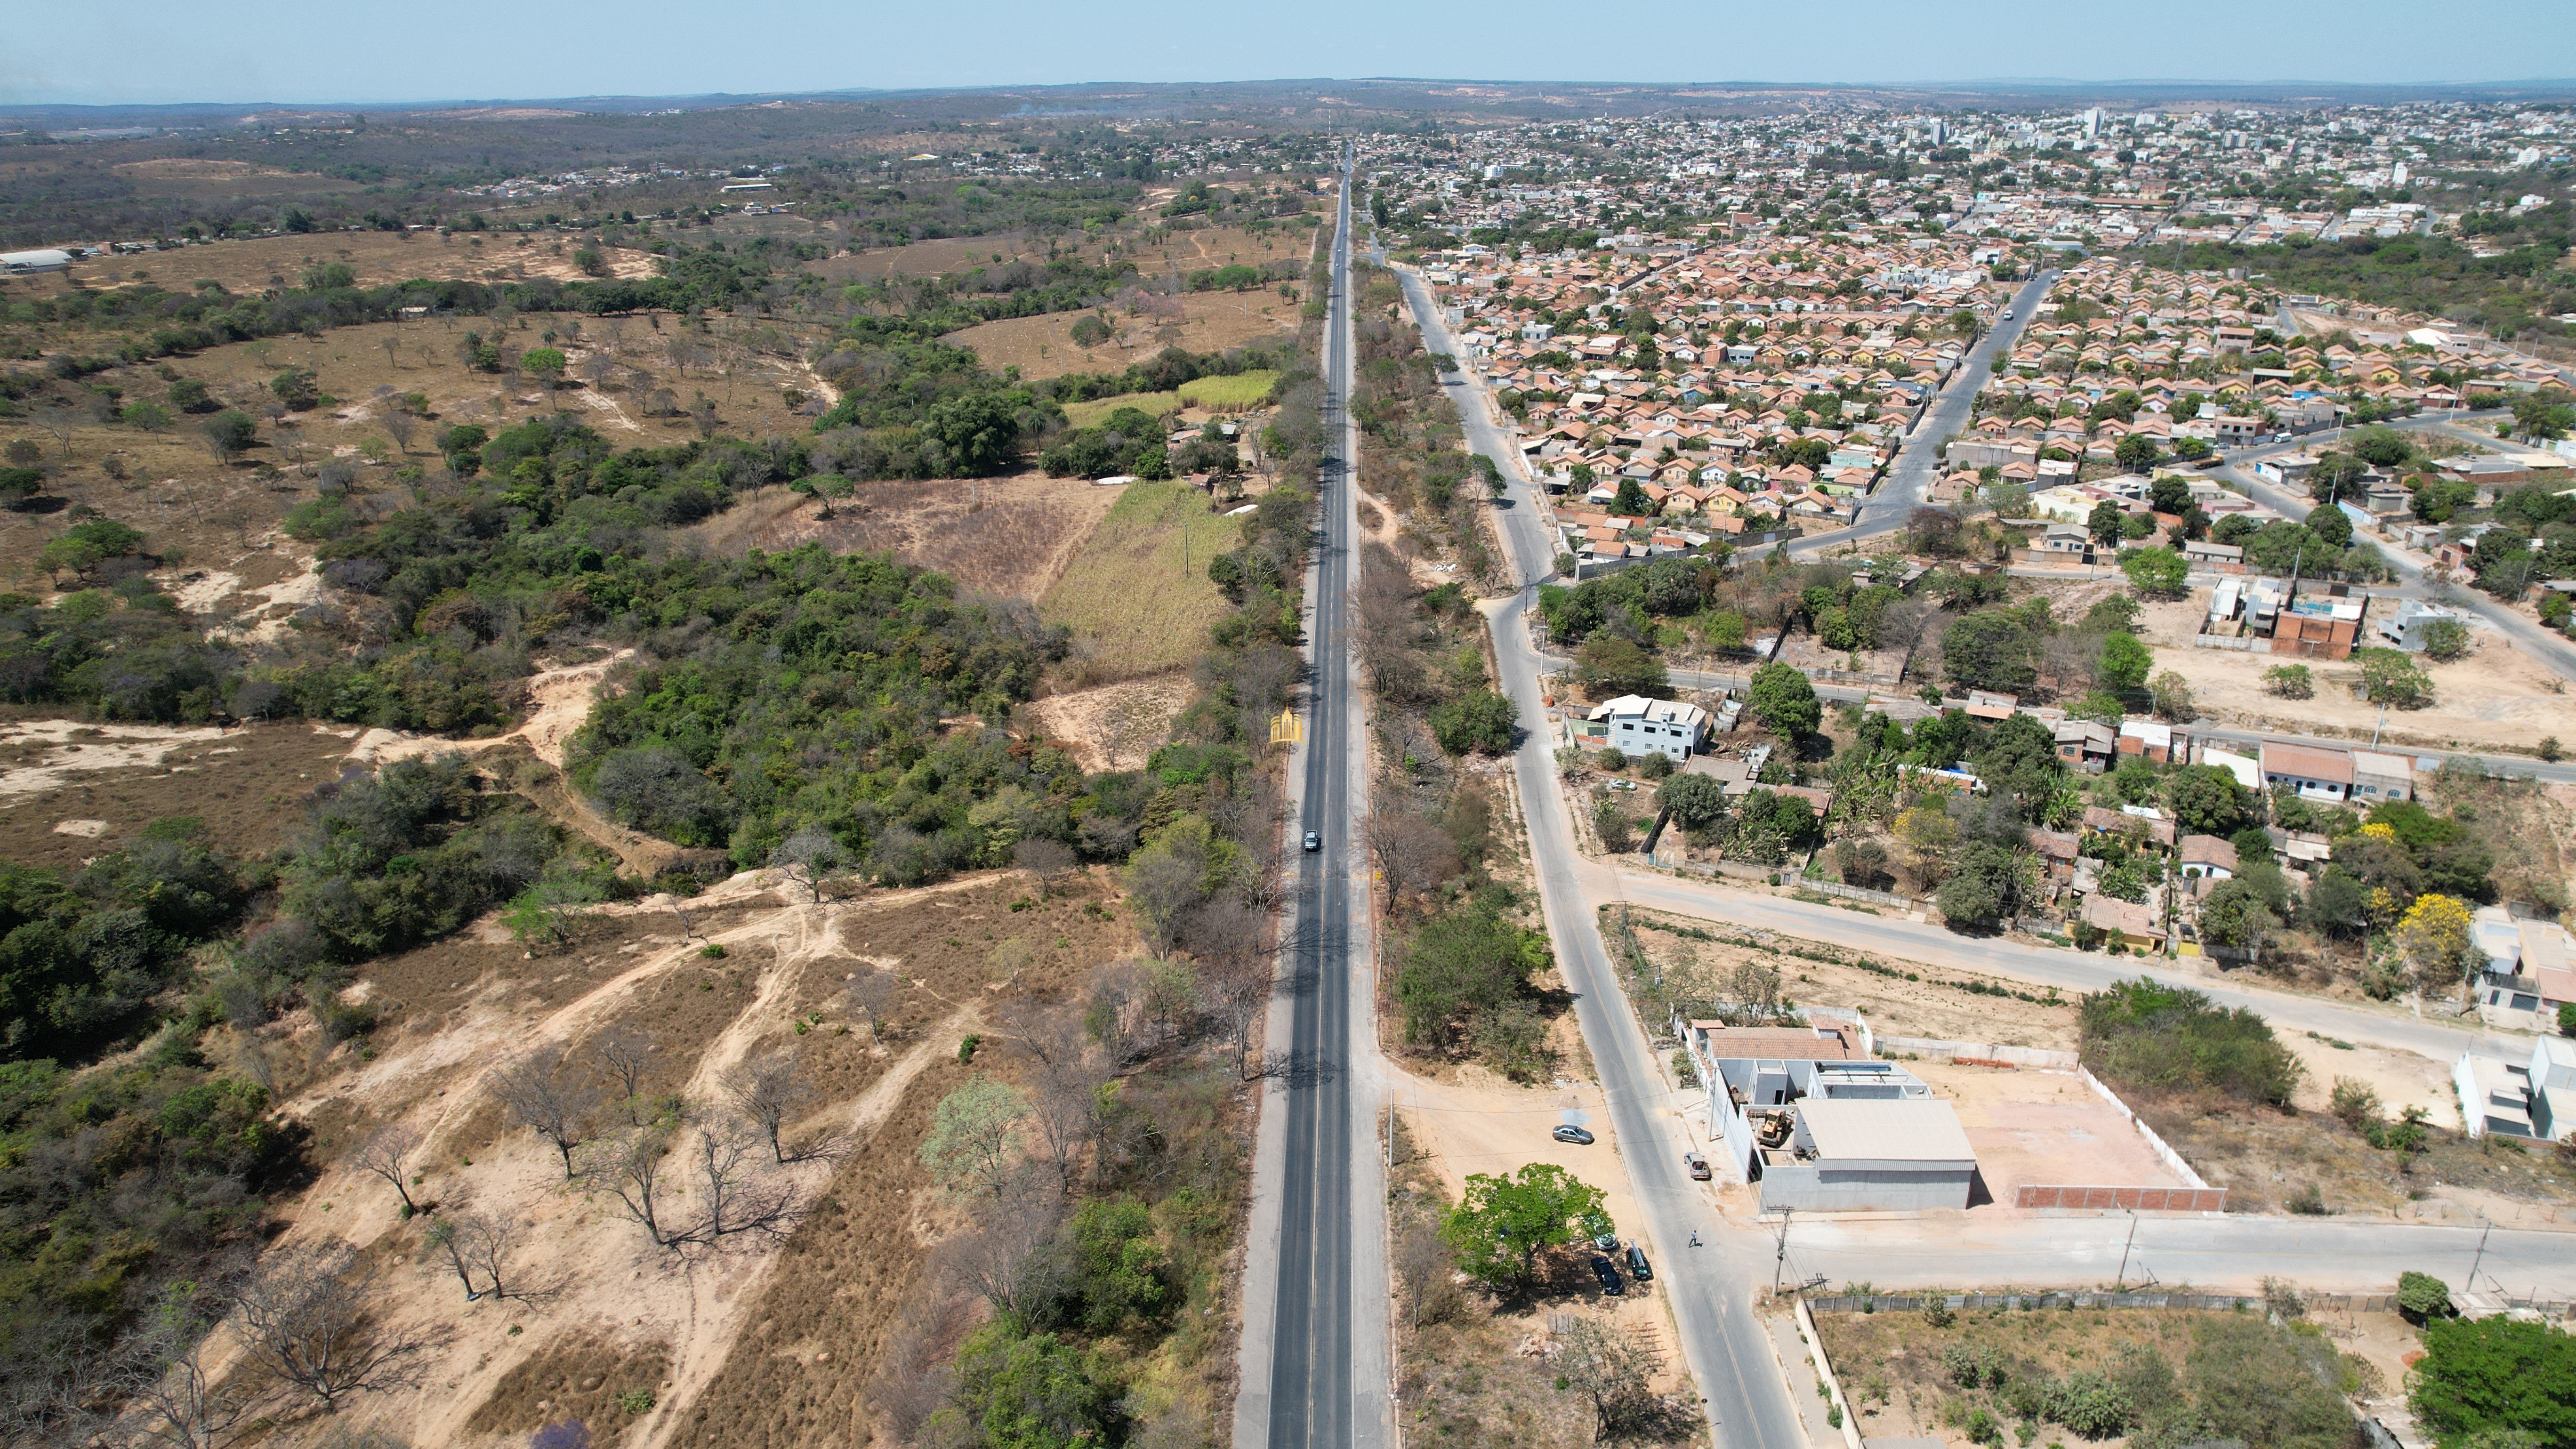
point(1697, 1164)
point(1638, 1267)
point(1571, 1133)
point(1608, 1274)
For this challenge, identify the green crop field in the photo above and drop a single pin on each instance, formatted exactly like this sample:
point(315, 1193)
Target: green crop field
point(1138, 593)
point(1242, 390)
point(1095, 412)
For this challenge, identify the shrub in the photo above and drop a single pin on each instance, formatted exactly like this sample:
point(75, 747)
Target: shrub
point(2162, 1038)
point(2290, 681)
point(2354, 1102)
point(2422, 1297)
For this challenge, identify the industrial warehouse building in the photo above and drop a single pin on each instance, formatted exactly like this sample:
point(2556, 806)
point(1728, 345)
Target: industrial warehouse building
point(1811, 1118)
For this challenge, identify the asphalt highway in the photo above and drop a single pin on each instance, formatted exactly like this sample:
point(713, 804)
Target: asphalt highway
point(1327, 1381)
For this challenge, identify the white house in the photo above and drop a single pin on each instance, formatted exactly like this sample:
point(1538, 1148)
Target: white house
point(2511, 1098)
point(1638, 725)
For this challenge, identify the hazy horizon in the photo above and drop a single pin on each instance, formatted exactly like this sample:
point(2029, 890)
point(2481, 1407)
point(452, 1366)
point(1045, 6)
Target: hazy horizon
point(161, 53)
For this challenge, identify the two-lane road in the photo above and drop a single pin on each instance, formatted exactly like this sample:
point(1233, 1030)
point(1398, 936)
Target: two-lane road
point(1723, 1343)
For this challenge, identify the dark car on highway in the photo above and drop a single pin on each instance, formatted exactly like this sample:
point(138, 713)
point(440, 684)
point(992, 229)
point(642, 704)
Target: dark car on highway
point(1575, 1135)
point(1608, 1274)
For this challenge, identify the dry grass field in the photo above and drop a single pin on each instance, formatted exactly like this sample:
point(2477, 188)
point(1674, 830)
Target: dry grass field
point(217, 516)
point(1137, 596)
point(1209, 322)
point(255, 264)
point(930, 258)
point(756, 1340)
point(1011, 537)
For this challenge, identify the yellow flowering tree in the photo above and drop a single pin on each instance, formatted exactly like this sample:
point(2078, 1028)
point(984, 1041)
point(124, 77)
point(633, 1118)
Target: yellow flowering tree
point(2434, 934)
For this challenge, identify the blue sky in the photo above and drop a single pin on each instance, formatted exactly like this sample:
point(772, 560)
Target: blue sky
point(144, 51)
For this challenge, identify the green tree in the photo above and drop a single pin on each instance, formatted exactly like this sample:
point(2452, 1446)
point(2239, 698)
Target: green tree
point(2156, 572)
point(1990, 649)
point(87, 544)
point(2290, 681)
point(2136, 452)
point(2207, 800)
point(2234, 914)
point(1785, 699)
point(1481, 721)
point(2330, 523)
point(980, 430)
point(1609, 664)
point(1985, 885)
point(973, 1140)
point(2391, 678)
point(1502, 1224)
point(230, 433)
point(2422, 1297)
point(2124, 663)
point(2445, 639)
point(2482, 1375)
point(1695, 802)
point(1018, 1390)
point(1632, 501)
point(1461, 965)
point(2106, 523)
point(297, 388)
point(545, 364)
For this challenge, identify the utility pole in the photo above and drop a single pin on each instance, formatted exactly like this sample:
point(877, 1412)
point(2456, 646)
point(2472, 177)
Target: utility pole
point(2122, 1280)
point(2472, 1285)
point(1780, 1256)
point(1390, 1131)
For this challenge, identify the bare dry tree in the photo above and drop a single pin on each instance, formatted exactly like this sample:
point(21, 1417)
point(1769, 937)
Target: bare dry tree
point(734, 1200)
point(400, 425)
point(542, 1097)
point(913, 1376)
point(769, 1091)
point(624, 1052)
point(1068, 1079)
point(628, 1167)
point(873, 994)
point(1048, 860)
point(386, 1153)
point(485, 1240)
point(1003, 1258)
point(168, 1382)
point(806, 857)
point(306, 1319)
point(444, 1235)
point(1423, 1262)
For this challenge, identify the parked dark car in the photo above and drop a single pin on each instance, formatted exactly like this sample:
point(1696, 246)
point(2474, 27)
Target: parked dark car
point(1573, 1134)
point(1608, 1274)
point(1638, 1267)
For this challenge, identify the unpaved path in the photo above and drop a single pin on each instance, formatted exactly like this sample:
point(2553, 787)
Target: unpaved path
point(598, 1272)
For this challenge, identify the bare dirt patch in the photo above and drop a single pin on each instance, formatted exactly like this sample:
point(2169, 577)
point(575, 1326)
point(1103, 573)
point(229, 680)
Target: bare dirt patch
point(1113, 726)
point(2498, 695)
point(247, 784)
point(2266, 1159)
point(2043, 1128)
point(764, 1341)
point(1011, 537)
point(1043, 346)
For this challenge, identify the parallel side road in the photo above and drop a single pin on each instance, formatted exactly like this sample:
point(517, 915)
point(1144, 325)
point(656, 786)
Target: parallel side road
point(1723, 1344)
point(2223, 1253)
point(2069, 971)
